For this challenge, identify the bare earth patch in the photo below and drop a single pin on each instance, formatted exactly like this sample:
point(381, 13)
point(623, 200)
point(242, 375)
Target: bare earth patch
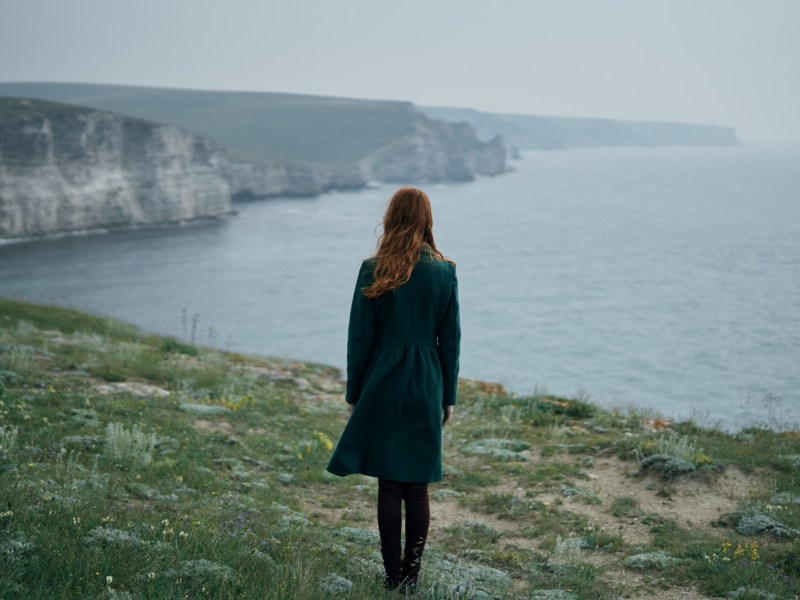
point(212, 426)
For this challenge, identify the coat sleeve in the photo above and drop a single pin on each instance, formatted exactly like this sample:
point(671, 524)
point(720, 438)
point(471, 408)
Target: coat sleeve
point(360, 335)
point(449, 346)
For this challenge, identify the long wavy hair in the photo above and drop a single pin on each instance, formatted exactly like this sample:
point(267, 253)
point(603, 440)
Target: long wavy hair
point(407, 227)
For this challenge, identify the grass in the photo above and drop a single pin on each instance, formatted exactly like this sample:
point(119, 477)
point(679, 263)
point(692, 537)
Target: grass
point(136, 466)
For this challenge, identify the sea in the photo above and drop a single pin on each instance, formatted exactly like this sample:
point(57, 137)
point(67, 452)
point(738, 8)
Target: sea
point(665, 280)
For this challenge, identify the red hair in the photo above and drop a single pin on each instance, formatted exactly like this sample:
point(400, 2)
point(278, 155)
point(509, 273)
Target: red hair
point(407, 226)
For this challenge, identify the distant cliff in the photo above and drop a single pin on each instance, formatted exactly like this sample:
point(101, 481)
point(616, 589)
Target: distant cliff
point(65, 168)
point(292, 144)
point(527, 132)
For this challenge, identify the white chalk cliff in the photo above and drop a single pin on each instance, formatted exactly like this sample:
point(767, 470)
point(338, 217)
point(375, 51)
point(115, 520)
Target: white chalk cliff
point(66, 168)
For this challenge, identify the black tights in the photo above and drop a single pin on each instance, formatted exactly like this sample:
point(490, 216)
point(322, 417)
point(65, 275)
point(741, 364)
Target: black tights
point(418, 517)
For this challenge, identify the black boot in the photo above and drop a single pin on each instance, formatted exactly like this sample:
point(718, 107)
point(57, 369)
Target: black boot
point(392, 583)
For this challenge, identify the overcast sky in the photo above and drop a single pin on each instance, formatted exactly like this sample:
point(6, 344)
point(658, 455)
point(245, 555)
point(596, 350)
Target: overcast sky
point(726, 62)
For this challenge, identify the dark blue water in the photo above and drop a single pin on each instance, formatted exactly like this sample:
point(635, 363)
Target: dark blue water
point(663, 278)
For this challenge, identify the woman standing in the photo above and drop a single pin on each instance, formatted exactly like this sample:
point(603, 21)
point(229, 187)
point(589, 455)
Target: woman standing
point(402, 371)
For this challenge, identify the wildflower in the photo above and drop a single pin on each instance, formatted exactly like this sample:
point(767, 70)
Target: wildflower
point(740, 551)
point(76, 520)
point(299, 456)
point(183, 534)
point(109, 579)
point(753, 547)
point(8, 513)
point(726, 546)
point(324, 440)
point(151, 575)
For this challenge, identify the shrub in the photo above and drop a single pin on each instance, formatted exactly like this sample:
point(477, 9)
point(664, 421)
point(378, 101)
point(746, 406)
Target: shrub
point(335, 584)
point(8, 438)
point(128, 448)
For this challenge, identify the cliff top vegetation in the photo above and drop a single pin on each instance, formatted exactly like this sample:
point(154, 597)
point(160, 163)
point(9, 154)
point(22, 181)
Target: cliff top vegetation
point(140, 466)
point(34, 107)
point(254, 126)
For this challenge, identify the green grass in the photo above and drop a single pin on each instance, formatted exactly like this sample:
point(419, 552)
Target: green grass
point(116, 482)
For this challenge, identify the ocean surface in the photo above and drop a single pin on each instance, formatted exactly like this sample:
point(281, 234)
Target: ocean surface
point(664, 278)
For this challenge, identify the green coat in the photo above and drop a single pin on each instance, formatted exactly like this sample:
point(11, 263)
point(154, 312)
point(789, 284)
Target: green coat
point(402, 369)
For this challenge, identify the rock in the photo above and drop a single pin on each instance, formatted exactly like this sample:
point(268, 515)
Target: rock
point(72, 168)
point(498, 448)
point(134, 388)
point(785, 498)
point(758, 523)
point(204, 409)
point(451, 578)
point(232, 440)
point(588, 462)
point(650, 561)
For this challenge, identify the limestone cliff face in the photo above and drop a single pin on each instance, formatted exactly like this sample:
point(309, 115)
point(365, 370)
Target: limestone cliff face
point(260, 180)
point(432, 151)
point(436, 151)
point(65, 168)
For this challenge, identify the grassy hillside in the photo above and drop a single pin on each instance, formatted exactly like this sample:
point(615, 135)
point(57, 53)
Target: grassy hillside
point(138, 466)
point(255, 126)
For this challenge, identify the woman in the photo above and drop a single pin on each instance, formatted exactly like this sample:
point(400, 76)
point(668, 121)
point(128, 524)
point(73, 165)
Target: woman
point(402, 371)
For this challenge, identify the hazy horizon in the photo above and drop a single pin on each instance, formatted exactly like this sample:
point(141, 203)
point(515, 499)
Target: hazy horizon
point(724, 62)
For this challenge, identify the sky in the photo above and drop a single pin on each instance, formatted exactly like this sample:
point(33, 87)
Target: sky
point(722, 62)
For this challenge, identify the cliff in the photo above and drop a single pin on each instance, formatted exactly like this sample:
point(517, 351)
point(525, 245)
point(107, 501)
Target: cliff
point(66, 168)
point(527, 132)
point(292, 144)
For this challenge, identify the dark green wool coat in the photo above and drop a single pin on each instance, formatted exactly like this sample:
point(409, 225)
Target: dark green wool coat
point(402, 369)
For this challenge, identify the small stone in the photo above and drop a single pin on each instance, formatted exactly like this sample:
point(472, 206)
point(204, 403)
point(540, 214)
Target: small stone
point(232, 440)
point(588, 462)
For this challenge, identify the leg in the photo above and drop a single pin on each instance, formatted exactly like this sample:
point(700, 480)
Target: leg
point(418, 518)
point(390, 495)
